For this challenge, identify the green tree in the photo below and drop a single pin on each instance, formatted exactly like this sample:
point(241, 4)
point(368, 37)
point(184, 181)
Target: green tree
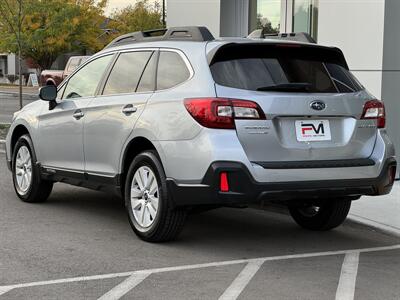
point(50, 28)
point(138, 17)
point(11, 25)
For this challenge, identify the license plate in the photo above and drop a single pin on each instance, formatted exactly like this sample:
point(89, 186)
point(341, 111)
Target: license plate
point(313, 130)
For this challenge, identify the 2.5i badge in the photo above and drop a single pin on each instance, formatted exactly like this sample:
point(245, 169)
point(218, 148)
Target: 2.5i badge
point(313, 130)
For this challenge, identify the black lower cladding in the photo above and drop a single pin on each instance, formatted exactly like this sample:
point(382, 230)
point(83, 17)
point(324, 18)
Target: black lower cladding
point(243, 189)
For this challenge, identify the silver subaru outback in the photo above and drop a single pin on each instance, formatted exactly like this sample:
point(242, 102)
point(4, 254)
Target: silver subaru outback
point(176, 121)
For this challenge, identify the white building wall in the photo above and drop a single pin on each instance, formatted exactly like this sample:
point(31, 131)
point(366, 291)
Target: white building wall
point(356, 27)
point(11, 62)
point(194, 13)
point(234, 18)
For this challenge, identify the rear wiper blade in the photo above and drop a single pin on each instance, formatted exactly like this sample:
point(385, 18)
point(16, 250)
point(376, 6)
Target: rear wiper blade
point(298, 86)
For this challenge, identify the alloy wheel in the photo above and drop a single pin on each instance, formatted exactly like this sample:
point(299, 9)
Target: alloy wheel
point(144, 196)
point(23, 170)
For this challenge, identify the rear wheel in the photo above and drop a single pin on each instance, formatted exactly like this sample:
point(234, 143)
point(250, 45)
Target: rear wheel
point(28, 184)
point(148, 204)
point(321, 215)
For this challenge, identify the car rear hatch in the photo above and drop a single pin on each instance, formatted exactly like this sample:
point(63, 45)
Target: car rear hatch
point(313, 105)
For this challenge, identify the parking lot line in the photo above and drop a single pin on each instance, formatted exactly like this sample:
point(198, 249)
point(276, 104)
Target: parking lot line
point(348, 276)
point(4, 290)
point(196, 266)
point(124, 287)
point(242, 280)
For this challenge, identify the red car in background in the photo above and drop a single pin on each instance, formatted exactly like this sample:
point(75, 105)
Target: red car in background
point(55, 77)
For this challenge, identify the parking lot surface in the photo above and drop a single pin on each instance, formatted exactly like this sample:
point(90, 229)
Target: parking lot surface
point(79, 245)
point(9, 103)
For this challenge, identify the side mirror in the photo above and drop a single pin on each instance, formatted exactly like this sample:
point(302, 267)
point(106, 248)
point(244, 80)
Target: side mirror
point(48, 93)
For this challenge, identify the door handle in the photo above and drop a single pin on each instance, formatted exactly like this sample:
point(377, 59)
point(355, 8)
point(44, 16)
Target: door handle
point(129, 109)
point(78, 114)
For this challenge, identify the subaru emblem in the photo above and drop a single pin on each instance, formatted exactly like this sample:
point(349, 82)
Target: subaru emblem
point(318, 105)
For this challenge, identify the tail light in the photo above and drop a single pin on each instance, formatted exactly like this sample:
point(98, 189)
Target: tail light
point(221, 112)
point(375, 109)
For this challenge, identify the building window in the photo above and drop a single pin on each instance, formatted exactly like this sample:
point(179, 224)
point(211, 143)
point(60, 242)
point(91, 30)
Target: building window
point(266, 15)
point(305, 17)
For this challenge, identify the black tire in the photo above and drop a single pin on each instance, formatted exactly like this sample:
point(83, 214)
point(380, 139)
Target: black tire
point(39, 190)
point(328, 214)
point(169, 221)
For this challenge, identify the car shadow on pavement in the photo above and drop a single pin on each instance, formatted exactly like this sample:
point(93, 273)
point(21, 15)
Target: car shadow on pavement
point(227, 232)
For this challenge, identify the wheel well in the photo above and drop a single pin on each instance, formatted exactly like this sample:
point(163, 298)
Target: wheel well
point(136, 146)
point(19, 131)
point(50, 82)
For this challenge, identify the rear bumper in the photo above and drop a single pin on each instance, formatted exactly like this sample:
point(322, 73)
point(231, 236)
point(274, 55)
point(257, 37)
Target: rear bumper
point(245, 190)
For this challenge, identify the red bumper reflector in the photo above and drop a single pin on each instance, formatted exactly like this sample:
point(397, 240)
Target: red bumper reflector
point(224, 185)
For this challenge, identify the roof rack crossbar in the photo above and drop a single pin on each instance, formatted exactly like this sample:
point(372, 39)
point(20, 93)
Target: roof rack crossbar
point(292, 36)
point(189, 33)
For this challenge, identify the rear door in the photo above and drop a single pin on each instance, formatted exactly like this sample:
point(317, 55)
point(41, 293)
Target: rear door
point(313, 104)
point(112, 115)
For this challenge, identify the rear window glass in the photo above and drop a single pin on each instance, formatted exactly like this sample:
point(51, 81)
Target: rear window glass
point(274, 68)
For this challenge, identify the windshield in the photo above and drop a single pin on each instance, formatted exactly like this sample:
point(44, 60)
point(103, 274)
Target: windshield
point(287, 69)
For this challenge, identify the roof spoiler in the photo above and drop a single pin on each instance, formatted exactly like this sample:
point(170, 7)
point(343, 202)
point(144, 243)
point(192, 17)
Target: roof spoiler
point(187, 33)
point(296, 36)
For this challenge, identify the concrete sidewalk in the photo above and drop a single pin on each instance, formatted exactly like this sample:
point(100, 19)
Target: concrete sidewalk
point(379, 212)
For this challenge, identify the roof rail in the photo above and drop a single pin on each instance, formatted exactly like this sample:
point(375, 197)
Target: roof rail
point(187, 33)
point(298, 37)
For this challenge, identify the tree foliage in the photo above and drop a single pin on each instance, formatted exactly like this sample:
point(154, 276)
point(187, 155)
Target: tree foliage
point(138, 17)
point(51, 28)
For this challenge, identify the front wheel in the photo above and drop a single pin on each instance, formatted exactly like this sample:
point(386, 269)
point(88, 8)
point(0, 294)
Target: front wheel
point(322, 215)
point(28, 184)
point(148, 204)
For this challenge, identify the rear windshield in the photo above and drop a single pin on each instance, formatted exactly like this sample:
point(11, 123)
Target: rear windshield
point(283, 68)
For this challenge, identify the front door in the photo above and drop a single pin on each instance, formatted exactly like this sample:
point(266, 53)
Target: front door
point(61, 129)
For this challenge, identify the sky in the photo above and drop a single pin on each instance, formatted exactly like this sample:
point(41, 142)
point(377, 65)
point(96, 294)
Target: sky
point(118, 4)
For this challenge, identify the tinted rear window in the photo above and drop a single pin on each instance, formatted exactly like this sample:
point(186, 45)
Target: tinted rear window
point(254, 67)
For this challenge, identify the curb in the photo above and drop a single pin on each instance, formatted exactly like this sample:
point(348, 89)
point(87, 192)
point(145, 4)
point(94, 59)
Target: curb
point(373, 224)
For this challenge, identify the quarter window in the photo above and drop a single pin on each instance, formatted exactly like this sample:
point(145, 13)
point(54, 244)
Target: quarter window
point(172, 70)
point(126, 73)
point(85, 82)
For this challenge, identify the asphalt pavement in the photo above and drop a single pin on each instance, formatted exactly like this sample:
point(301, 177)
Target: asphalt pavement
point(9, 103)
point(79, 245)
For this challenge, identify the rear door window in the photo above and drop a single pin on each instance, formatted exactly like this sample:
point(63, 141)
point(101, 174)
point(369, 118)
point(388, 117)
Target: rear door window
point(271, 68)
point(148, 80)
point(172, 70)
point(126, 73)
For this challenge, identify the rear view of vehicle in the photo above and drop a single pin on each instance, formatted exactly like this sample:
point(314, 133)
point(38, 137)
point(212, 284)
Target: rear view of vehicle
point(314, 138)
point(191, 123)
